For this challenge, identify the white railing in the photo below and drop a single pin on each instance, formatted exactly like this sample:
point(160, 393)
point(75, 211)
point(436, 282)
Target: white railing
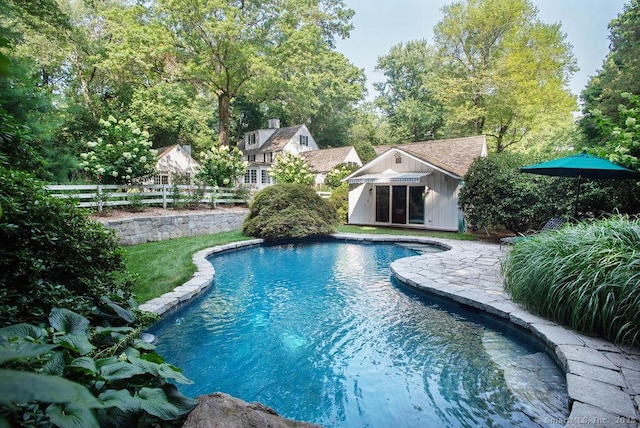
point(100, 196)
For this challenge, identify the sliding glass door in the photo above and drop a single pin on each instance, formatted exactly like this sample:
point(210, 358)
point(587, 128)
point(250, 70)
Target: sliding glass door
point(416, 204)
point(400, 204)
point(382, 204)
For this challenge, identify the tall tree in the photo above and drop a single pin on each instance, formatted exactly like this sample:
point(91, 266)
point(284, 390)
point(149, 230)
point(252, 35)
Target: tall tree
point(321, 93)
point(234, 47)
point(508, 72)
point(407, 97)
point(619, 75)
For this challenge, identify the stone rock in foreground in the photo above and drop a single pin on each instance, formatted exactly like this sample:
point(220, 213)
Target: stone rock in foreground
point(220, 410)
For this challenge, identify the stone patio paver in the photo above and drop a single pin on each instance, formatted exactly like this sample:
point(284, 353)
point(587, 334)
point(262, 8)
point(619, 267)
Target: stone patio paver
point(603, 379)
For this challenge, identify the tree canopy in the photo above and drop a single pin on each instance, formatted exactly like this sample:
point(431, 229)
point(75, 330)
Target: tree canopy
point(611, 98)
point(494, 69)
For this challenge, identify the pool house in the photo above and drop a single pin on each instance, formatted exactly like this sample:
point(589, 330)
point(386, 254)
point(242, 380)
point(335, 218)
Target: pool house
point(414, 185)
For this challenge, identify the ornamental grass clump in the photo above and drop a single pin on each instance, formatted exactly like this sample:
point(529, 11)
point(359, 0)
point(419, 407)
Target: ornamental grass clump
point(585, 276)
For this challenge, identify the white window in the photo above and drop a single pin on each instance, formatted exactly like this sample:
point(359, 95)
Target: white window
point(161, 179)
point(251, 176)
point(251, 158)
point(251, 139)
point(304, 140)
point(264, 177)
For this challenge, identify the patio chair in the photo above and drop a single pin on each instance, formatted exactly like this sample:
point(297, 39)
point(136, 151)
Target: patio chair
point(552, 224)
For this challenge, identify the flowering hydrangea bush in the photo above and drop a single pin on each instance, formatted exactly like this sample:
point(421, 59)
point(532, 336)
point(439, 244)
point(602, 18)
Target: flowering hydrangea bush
point(290, 168)
point(221, 166)
point(340, 171)
point(121, 155)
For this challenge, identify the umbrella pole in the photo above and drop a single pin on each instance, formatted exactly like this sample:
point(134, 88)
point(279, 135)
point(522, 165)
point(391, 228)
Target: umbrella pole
point(575, 211)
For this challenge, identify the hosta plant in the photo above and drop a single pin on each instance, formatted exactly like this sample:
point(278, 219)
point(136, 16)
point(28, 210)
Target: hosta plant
point(71, 374)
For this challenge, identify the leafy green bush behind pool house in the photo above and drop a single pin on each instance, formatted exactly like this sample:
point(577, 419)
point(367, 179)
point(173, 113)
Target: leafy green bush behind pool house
point(585, 276)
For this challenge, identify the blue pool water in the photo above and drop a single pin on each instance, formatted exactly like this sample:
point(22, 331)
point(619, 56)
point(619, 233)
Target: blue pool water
point(318, 332)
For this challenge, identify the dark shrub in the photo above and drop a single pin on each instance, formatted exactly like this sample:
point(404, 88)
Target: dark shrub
point(52, 255)
point(289, 210)
point(497, 195)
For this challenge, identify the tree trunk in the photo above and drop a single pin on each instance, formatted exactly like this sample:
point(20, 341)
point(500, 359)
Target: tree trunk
point(224, 102)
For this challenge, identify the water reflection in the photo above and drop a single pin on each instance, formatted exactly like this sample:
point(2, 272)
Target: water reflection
point(318, 332)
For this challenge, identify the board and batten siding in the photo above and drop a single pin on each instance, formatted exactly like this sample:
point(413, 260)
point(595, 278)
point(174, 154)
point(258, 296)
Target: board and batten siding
point(441, 202)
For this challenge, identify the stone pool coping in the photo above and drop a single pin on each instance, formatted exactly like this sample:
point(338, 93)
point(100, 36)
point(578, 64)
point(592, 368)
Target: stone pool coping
point(603, 379)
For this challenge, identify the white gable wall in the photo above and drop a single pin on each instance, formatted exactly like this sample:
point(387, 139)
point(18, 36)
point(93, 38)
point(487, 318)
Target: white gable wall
point(353, 157)
point(177, 161)
point(294, 147)
point(441, 201)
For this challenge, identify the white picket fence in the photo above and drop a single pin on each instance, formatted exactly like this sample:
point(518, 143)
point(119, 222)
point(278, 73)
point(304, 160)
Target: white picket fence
point(100, 196)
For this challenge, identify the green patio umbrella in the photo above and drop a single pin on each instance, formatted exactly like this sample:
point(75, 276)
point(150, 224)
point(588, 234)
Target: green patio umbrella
point(581, 166)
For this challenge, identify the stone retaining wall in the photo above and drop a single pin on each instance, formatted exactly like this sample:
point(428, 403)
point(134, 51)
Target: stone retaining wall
point(131, 231)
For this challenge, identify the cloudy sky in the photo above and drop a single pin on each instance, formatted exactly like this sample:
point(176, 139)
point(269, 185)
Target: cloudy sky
point(380, 24)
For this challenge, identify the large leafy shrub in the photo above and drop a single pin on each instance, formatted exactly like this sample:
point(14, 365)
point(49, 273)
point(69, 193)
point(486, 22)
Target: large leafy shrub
point(221, 166)
point(121, 155)
point(340, 200)
point(75, 375)
point(289, 168)
point(289, 210)
point(338, 172)
point(497, 195)
point(585, 276)
point(52, 255)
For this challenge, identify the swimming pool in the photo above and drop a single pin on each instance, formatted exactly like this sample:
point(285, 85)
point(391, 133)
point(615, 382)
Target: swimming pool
point(319, 332)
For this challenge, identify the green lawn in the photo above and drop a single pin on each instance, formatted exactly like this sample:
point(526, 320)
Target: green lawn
point(161, 266)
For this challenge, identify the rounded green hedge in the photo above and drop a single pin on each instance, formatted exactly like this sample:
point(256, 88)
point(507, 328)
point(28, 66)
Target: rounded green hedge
point(585, 276)
point(288, 210)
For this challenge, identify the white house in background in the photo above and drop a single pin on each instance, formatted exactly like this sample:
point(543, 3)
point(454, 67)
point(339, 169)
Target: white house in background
point(413, 185)
point(174, 160)
point(260, 149)
point(324, 160)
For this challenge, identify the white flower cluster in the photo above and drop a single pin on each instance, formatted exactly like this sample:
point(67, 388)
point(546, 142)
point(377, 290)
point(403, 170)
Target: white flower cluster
point(122, 154)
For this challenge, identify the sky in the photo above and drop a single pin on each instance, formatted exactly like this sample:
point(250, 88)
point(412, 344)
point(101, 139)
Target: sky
point(381, 24)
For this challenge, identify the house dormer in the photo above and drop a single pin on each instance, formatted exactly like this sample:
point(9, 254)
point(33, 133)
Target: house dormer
point(253, 140)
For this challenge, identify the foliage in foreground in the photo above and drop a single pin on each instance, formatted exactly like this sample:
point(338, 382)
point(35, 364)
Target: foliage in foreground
point(75, 375)
point(289, 210)
point(586, 277)
point(54, 256)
